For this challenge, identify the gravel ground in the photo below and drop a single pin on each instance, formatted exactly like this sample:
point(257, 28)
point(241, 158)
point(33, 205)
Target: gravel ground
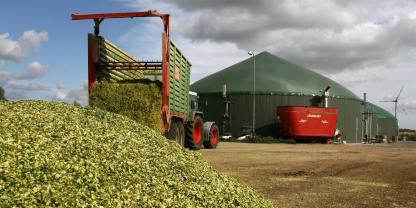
point(316, 175)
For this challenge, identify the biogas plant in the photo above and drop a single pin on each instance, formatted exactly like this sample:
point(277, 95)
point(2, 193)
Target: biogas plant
point(289, 101)
point(263, 95)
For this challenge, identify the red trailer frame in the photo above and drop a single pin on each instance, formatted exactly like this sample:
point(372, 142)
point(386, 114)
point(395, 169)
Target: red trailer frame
point(93, 52)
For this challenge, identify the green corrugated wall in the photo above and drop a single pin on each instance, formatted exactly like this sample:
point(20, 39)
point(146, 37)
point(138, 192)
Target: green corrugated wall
point(213, 106)
point(387, 123)
point(388, 127)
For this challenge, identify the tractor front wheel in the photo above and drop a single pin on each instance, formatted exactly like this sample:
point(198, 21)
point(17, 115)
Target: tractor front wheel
point(211, 132)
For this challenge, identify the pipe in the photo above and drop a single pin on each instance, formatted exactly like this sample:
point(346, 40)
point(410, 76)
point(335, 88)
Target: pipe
point(224, 90)
point(326, 96)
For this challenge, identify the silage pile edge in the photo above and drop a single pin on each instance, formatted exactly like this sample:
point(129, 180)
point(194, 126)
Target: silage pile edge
point(61, 155)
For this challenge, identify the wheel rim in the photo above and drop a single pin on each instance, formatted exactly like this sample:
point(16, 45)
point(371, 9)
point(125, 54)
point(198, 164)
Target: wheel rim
point(214, 139)
point(197, 131)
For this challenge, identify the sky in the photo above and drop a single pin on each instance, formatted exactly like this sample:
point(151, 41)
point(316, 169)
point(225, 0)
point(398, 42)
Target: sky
point(366, 45)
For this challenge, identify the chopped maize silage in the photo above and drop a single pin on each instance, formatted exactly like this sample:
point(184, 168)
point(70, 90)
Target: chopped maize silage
point(140, 101)
point(55, 154)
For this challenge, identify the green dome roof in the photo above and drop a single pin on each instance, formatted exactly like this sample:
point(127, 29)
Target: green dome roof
point(381, 113)
point(273, 75)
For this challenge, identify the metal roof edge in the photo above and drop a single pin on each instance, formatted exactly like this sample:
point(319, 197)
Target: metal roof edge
point(281, 94)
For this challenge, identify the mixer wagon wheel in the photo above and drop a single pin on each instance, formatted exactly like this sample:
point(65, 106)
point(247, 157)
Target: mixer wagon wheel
point(211, 132)
point(325, 141)
point(177, 132)
point(193, 134)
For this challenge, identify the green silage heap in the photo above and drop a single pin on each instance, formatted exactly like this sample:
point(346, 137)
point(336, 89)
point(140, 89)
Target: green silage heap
point(140, 101)
point(60, 155)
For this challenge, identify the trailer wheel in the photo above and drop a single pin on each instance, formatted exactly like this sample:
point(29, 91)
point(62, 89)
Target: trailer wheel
point(181, 140)
point(211, 134)
point(325, 141)
point(177, 132)
point(193, 136)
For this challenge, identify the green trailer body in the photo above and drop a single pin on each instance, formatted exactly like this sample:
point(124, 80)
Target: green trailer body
point(180, 75)
point(113, 65)
point(110, 53)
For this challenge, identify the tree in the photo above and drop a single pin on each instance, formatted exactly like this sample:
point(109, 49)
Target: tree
point(2, 94)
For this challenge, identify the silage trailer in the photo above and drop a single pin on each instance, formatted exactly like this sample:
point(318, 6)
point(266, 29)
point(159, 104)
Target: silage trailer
point(182, 121)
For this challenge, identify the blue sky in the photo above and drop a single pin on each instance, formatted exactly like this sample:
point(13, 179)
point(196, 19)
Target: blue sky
point(65, 51)
point(368, 46)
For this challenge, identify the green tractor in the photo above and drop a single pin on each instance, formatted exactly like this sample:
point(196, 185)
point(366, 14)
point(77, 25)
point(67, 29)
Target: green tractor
point(194, 133)
point(198, 133)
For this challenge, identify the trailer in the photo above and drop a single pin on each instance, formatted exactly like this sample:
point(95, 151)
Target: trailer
point(181, 118)
point(307, 123)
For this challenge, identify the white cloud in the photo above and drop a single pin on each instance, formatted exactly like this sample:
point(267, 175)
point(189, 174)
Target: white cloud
point(26, 87)
point(67, 95)
point(34, 71)
point(144, 43)
point(11, 50)
point(207, 56)
point(5, 77)
point(361, 45)
point(329, 35)
point(360, 76)
point(407, 106)
point(229, 21)
point(369, 46)
point(22, 85)
point(32, 39)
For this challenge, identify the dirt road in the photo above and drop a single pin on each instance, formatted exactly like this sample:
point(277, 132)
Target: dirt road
point(316, 175)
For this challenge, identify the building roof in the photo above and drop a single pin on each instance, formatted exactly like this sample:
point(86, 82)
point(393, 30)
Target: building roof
point(381, 113)
point(274, 75)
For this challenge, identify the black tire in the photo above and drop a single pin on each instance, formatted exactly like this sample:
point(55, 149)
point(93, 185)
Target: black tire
point(325, 141)
point(176, 132)
point(193, 134)
point(181, 140)
point(213, 137)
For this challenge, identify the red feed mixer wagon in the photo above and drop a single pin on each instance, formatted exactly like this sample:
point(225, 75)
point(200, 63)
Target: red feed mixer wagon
point(307, 123)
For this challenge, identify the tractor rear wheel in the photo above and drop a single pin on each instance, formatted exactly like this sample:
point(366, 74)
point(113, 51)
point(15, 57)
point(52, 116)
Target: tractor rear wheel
point(212, 133)
point(193, 135)
point(177, 132)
